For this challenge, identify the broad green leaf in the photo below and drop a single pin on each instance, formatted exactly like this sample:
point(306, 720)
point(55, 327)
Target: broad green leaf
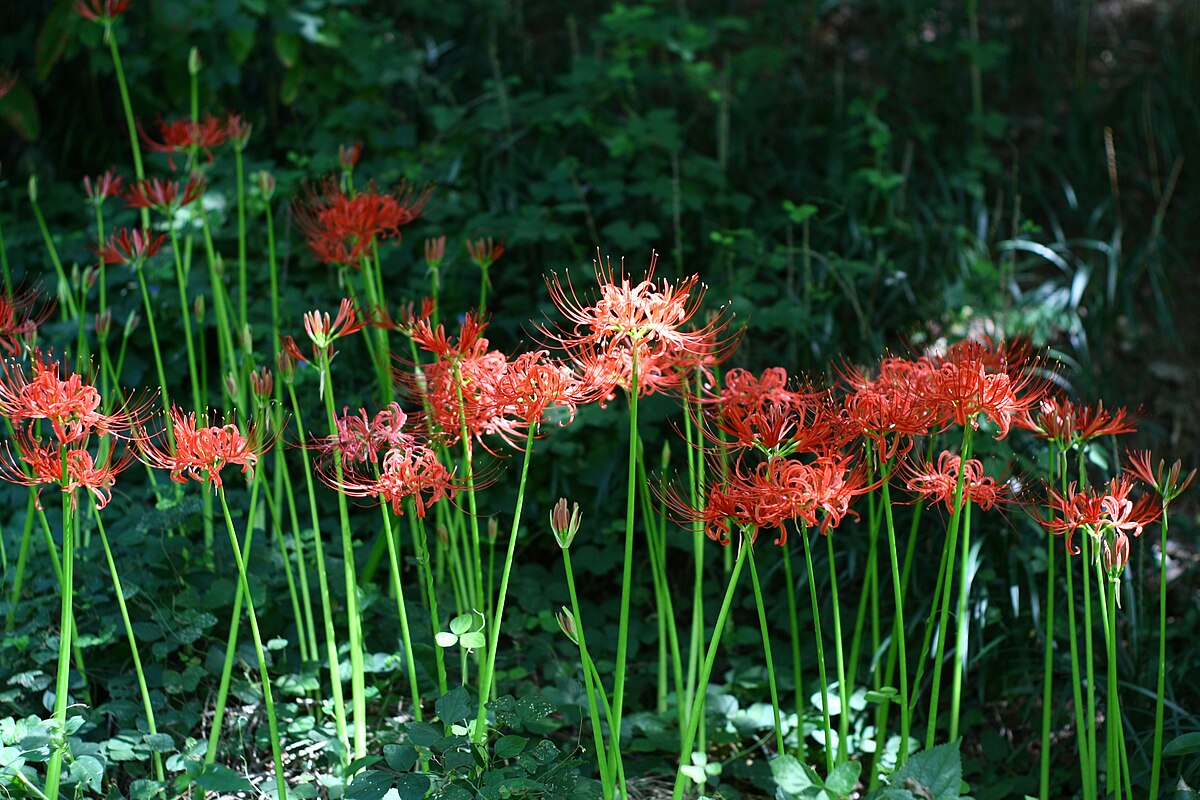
point(460, 624)
point(844, 778)
point(218, 778)
point(369, 785)
point(1183, 745)
point(400, 757)
point(87, 772)
point(423, 734)
point(473, 640)
point(412, 786)
point(509, 746)
point(445, 639)
point(160, 742)
point(938, 772)
point(454, 706)
point(790, 775)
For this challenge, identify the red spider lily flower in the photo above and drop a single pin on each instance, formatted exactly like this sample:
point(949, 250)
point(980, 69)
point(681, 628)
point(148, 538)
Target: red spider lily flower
point(131, 246)
point(1069, 424)
point(897, 403)
point(485, 253)
point(21, 313)
point(361, 440)
point(105, 186)
point(44, 466)
point(71, 406)
point(967, 389)
point(460, 384)
point(411, 472)
point(1104, 513)
point(344, 229)
point(201, 450)
point(165, 197)
point(183, 136)
point(323, 332)
point(8, 79)
point(1165, 481)
point(104, 12)
point(939, 484)
point(530, 386)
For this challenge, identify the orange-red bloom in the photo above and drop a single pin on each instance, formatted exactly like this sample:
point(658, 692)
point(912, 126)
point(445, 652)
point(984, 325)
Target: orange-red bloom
point(165, 197)
point(130, 246)
point(201, 450)
point(343, 229)
point(1104, 514)
point(105, 186)
point(410, 472)
point(184, 135)
point(940, 484)
point(1166, 482)
point(46, 464)
point(71, 406)
point(1068, 424)
point(20, 315)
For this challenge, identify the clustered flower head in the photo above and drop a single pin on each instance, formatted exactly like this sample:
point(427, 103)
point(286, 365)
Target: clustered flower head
point(193, 449)
point(202, 135)
point(940, 484)
point(21, 314)
point(127, 246)
point(344, 228)
point(1069, 424)
point(644, 325)
point(40, 395)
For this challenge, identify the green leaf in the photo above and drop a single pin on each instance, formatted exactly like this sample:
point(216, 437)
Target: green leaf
point(1183, 745)
point(400, 757)
point(218, 778)
point(445, 639)
point(87, 772)
point(460, 624)
point(473, 640)
point(938, 772)
point(790, 775)
point(412, 786)
point(509, 746)
point(454, 706)
point(844, 778)
point(369, 785)
point(160, 742)
point(880, 695)
point(797, 214)
point(423, 734)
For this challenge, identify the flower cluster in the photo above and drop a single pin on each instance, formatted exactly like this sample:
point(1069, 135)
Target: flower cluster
point(1109, 516)
point(344, 228)
point(193, 449)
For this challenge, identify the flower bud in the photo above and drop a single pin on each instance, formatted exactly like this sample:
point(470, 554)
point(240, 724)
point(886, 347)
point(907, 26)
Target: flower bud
point(104, 324)
point(33, 189)
point(286, 367)
point(131, 323)
point(566, 623)
point(435, 252)
point(194, 62)
point(564, 523)
point(493, 529)
point(90, 276)
point(231, 384)
point(198, 309)
point(247, 339)
point(266, 184)
point(262, 383)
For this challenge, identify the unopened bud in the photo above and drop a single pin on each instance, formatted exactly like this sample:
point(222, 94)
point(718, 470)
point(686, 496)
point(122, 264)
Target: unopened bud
point(198, 309)
point(266, 184)
point(441, 534)
point(1116, 556)
point(231, 384)
point(348, 155)
point(90, 276)
point(493, 529)
point(435, 252)
point(262, 383)
point(247, 339)
point(32, 186)
point(566, 623)
point(194, 62)
point(104, 324)
point(286, 366)
point(131, 322)
point(219, 266)
point(564, 522)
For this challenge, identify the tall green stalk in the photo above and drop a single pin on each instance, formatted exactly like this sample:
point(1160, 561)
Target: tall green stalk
point(820, 642)
point(1160, 688)
point(843, 750)
point(898, 628)
point(268, 699)
point(794, 630)
point(766, 640)
point(618, 698)
point(960, 640)
point(402, 612)
point(62, 683)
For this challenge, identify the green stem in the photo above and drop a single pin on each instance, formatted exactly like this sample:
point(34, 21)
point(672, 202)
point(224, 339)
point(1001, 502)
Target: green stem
point(1112, 722)
point(843, 751)
point(618, 698)
point(422, 542)
point(606, 778)
point(898, 629)
point(156, 757)
point(689, 736)
point(794, 628)
point(1085, 754)
point(816, 612)
point(961, 642)
point(135, 149)
point(14, 596)
point(239, 171)
point(402, 612)
point(1089, 660)
point(488, 676)
point(64, 285)
point(66, 619)
point(331, 645)
point(766, 640)
point(1156, 766)
point(268, 699)
point(288, 576)
point(1048, 659)
point(158, 362)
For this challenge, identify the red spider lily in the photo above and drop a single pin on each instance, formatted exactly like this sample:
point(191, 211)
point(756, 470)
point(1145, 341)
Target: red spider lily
point(808, 422)
point(45, 466)
point(529, 386)
point(166, 197)
point(1069, 424)
point(485, 253)
point(898, 403)
point(644, 322)
point(343, 229)
point(411, 472)
point(348, 155)
point(184, 135)
point(70, 405)
point(460, 384)
point(323, 331)
point(967, 389)
point(939, 484)
point(21, 313)
point(104, 12)
point(361, 440)
point(130, 246)
point(8, 79)
point(1100, 513)
point(201, 450)
point(105, 186)
point(1164, 481)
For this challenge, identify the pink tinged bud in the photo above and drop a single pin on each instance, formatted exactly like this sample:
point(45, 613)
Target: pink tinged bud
point(90, 276)
point(266, 184)
point(566, 623)
point(435, 252)
point(131, 323)
point(262, 383)
point(493, 529)
point(286, 367)
point(104, 323)
point(231, 384)
point(564, 522)
point(198, 309)
point(1116, 555)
